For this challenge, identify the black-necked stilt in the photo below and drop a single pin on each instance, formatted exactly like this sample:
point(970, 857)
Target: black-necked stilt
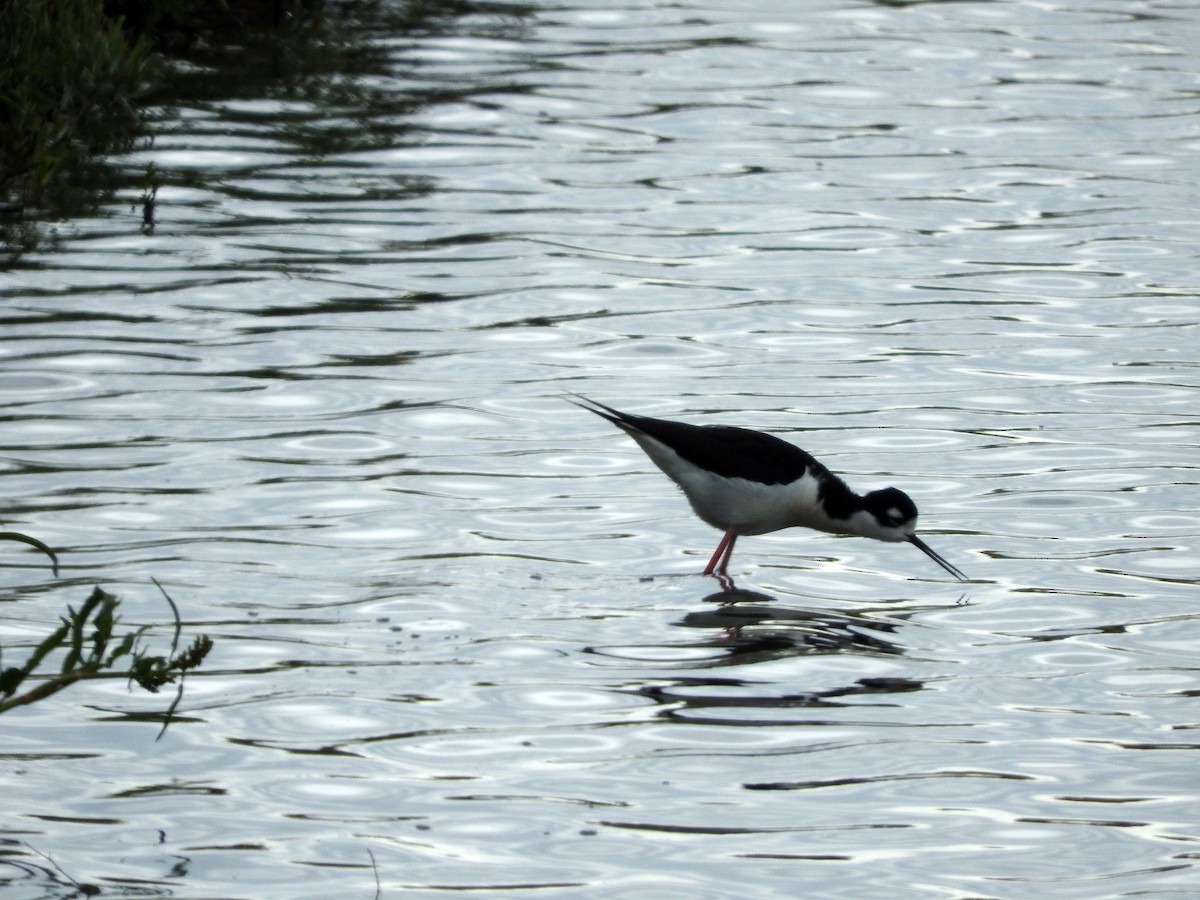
point(747, 482)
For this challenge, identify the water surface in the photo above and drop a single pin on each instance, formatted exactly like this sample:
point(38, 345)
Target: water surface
point(461, 641)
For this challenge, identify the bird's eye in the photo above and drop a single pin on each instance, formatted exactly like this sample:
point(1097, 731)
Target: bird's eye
point(895, 517)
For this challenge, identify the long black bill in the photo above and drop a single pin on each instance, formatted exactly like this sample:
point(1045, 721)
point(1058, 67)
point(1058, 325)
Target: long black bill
point(929, 551)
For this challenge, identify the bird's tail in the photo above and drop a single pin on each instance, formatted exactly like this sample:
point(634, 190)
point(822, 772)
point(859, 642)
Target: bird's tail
point(605, 412)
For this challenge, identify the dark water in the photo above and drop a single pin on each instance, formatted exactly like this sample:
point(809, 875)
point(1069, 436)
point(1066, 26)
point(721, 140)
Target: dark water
point(460, 639)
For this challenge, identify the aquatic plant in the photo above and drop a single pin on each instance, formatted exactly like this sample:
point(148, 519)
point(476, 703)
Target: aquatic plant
point(69, 92)
point(92, 647)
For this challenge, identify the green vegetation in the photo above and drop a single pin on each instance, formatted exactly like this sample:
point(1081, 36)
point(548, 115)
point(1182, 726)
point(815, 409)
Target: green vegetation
point(69, 92)
point(73, 81)
point(76, 77)
point(32, 542)
point(91, 647)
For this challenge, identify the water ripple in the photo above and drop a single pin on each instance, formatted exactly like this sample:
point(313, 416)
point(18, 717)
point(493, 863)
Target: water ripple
point(461, 641)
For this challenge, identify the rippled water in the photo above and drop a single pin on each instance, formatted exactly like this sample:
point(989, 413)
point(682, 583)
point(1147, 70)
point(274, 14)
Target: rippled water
point(460, 639)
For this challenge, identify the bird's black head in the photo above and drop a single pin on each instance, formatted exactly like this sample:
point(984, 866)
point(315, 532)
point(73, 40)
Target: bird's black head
point(896, 516)
point(893, 510)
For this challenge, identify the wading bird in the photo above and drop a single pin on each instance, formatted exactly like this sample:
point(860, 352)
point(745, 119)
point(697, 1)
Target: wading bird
point(747, 482)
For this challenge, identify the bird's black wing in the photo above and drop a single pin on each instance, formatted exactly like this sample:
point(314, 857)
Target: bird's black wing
point(738, 453)
point(727, 451)
point(733, 452)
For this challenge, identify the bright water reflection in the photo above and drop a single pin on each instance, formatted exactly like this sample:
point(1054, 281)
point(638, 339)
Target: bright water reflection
point(948, 246)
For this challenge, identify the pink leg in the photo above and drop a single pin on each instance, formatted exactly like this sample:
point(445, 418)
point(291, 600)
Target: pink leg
point(720, 558)
point(725, 559)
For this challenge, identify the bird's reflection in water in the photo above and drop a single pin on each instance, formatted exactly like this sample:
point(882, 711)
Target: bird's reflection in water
point(751, 622)
point(731, 701)
point(740, 628)
point(749, 627)
point(744, 627)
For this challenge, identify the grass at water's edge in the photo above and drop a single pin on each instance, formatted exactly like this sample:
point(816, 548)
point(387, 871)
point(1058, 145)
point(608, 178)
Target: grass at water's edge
point(89, 645)
point(69, 93)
